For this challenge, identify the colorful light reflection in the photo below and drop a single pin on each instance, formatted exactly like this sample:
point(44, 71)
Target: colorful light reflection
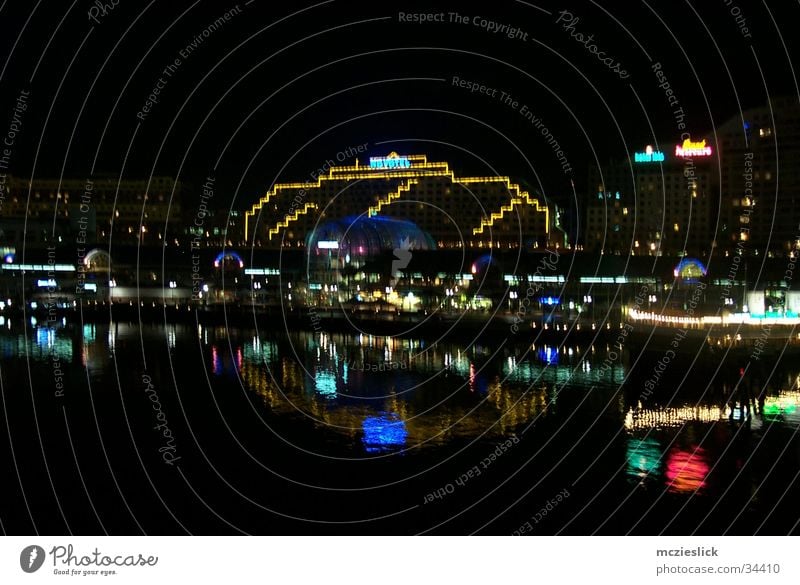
point(783, 407)
point(385, 432)
point(686, 470)
point(644, 458)
point(216, 361)
point(325, 384)
point(548, 355)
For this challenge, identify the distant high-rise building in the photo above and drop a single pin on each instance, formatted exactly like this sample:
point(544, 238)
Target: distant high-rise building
point(760, 170)
point(89, 211)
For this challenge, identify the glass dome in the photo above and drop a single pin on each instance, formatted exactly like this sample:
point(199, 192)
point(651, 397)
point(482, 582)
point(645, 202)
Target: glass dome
point(369, 236)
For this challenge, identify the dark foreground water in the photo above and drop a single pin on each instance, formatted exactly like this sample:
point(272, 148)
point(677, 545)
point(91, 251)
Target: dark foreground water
point(134, 428)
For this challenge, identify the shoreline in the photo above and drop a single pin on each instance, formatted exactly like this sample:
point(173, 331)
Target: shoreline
point(655, 338)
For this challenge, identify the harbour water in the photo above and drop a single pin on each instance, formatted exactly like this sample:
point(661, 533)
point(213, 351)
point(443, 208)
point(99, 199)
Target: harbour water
point(174, 428)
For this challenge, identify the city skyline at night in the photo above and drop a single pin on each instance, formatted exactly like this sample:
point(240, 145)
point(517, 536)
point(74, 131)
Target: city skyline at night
point(344, 269)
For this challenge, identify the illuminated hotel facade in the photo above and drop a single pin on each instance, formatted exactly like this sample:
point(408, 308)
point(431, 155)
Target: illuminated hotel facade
point(657, 202)
point(738, 194)
point(472, 212)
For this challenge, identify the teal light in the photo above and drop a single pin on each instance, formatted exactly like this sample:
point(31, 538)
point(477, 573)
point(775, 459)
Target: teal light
point(325, 384)
point(644, 458)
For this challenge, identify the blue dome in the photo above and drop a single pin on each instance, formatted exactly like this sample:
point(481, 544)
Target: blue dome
point(369, 236)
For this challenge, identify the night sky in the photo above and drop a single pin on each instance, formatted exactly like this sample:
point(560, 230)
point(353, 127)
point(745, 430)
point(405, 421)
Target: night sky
point(279, 88)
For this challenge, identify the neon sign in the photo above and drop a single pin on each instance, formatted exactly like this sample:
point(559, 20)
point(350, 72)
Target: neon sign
point(649, 155)
point(393, 161)
point(691, 149)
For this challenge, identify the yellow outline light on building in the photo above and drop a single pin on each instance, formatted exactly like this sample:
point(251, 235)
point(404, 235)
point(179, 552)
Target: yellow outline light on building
point(413, 168)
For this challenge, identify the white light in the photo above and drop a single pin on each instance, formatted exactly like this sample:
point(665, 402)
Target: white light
point(328, 245)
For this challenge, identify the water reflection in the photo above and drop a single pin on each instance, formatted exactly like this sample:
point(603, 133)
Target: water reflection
point(382, 395)
point(42, 343)
point(642, 418)
point(428, 395)
point(644, 459)
point(687, 469)
point(782, 408)
point(325, 384)
point(376, 390)
point(385, 432)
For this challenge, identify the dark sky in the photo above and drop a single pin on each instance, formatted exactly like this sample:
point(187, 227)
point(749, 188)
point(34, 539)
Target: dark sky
point(278, 89)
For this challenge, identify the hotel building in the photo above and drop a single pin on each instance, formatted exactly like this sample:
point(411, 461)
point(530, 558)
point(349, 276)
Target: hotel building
point(654, 203)
point(472, 212)
point(742, 197)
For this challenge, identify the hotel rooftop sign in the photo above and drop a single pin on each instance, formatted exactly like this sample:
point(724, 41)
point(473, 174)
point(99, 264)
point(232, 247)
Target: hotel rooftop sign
point(393, 161)
point(649, 155)
point(690, 149)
